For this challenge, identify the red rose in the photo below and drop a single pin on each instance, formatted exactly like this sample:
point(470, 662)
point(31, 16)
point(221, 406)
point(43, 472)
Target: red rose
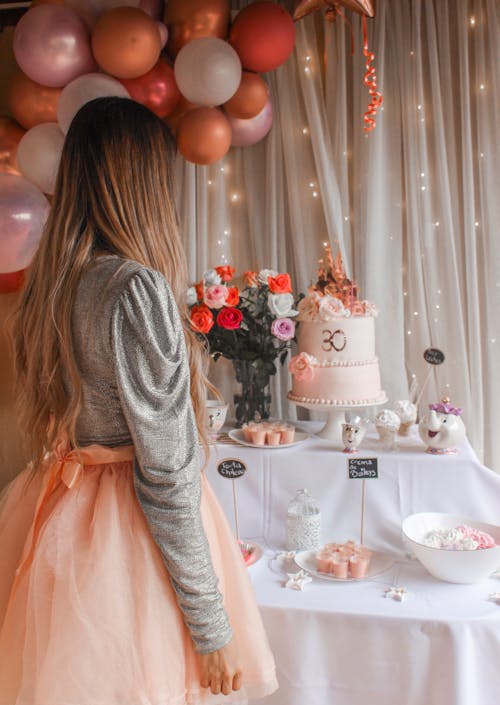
point(229, 317)
point(280, 284)
point(202, 319)
point(225, 272)
point(233, 296)
point(199, 290)
point(250, 278)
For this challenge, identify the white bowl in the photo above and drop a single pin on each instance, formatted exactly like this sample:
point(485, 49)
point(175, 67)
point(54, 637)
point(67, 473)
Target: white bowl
point(216, 414)
point(452, 566)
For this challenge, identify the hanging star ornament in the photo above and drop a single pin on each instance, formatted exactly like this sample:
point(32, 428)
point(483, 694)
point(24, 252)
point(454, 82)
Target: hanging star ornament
point(296, 581)
point(397, 593)
point(307, 7)
point(495, 597)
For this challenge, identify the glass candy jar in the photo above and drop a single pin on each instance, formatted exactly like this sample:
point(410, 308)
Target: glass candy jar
point(303, 523)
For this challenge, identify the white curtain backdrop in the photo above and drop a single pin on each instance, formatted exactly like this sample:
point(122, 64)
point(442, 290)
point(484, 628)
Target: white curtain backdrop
point(413, 205)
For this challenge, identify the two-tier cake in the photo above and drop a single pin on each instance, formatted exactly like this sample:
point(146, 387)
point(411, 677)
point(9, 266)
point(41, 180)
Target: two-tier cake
point(336, 363)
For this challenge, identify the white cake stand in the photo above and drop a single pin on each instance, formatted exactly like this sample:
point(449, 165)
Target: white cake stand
point(332, 430)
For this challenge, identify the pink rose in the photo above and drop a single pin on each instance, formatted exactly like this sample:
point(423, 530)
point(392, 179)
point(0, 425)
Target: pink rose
point(301, 366)
point(283, 328)
point(215, 296)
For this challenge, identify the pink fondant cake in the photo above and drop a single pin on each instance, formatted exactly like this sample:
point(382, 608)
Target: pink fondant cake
point(336, 362)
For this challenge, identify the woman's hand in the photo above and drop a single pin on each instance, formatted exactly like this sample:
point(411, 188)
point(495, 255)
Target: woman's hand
point(220, 670)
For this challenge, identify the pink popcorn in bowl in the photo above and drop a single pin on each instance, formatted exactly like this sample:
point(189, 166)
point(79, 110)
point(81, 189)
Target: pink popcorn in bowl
point(301, 366)
point(482, 539)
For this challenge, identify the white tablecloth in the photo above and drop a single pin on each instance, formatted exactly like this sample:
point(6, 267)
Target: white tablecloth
point(345, 643)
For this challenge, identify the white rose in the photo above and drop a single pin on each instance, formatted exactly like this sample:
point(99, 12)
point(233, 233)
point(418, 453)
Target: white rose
point(191, 296)
point(211, 277)
point(264, 275)
point(280, 305)
point(330, 308)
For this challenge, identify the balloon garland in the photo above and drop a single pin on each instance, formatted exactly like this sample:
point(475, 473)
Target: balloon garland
point(182, 59)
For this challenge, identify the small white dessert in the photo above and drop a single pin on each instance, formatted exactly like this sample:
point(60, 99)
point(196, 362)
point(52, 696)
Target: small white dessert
point(387, 423)
point(407, 412)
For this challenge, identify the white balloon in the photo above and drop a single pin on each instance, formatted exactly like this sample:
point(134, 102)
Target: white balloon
point(207, 71)
point(81, 91)
point(38, 155)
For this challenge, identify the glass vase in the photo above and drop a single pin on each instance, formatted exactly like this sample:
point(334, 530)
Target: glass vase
point(254, 401)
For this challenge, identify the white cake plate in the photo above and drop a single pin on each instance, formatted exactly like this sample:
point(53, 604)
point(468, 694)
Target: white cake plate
point(332, 430)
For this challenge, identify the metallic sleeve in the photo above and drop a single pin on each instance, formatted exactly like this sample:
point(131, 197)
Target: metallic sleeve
point(152, 376)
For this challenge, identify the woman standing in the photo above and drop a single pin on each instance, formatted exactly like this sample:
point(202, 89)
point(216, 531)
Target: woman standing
point(110, 592)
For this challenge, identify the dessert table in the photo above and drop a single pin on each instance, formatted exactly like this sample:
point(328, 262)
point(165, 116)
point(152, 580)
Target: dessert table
point(348, 643)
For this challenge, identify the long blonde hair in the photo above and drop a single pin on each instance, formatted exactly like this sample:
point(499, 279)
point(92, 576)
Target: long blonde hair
point(114, 192)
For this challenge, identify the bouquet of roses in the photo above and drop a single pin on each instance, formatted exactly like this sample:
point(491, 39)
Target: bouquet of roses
point(253, 325)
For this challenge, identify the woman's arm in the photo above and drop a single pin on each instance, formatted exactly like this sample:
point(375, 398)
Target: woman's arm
point(152, 376)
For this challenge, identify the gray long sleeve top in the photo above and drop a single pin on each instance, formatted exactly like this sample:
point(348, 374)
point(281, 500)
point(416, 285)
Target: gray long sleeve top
point(130, 350)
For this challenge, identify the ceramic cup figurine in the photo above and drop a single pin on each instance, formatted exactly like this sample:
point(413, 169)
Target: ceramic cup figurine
point(216, 414)
point(353, 433)
point(442, 429)
point(387, 423)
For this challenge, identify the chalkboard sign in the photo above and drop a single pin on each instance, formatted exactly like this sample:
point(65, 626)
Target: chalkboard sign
point(434, 356)
point(231, 468)
point(362, 468)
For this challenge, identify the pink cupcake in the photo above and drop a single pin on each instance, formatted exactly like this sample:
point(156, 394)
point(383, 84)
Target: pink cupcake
point(273, 437)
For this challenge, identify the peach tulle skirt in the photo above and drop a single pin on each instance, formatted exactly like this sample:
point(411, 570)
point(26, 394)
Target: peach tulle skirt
point(87, 612)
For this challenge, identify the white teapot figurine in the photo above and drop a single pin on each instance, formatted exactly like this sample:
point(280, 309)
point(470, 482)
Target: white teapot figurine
point(441, 429)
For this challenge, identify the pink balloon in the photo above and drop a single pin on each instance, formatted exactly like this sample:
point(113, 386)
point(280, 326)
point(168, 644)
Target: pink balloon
point(39, 153)
point(52, 45)
point(162, 29)
point(81, 91)
point(23, 212)
point(251, 131)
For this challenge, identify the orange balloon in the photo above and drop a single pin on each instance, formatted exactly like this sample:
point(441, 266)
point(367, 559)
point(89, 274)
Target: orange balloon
point(30, 103)
point(10, 136)
point(203, 135)
point(191, 19)
point(182, 107)
point(250, 98)
point(126, 42)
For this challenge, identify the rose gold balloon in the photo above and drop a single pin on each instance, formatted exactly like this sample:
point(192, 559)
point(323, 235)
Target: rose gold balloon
point(191, 19)
point(250, 98)
point(30, 103)
point(126, 42)
point(203, 135)
point(157, 89)
point(10, 136)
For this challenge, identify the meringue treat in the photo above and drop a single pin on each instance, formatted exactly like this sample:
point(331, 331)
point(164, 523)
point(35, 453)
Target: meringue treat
point(387, 423)
point(407, 412)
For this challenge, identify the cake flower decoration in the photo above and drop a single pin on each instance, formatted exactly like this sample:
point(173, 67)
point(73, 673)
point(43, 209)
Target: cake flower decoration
point(301, 366)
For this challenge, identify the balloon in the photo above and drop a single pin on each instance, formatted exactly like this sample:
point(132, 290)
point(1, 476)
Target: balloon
point(250, 98)
point(52, 45)
point(10, 136)
point(30, 103)
point(263, 34)
point(152, 7)
point(192, 19)
point(39, 153)
point(182, 107)
point(23, 212)
point(203, 135)
point(306, 7)
point(81, 91)
point(126, 42)
point(90, 10)
point(162, 29)
point(248, 132)
point(157, 89)
point(207, 71)
point(9, 283)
